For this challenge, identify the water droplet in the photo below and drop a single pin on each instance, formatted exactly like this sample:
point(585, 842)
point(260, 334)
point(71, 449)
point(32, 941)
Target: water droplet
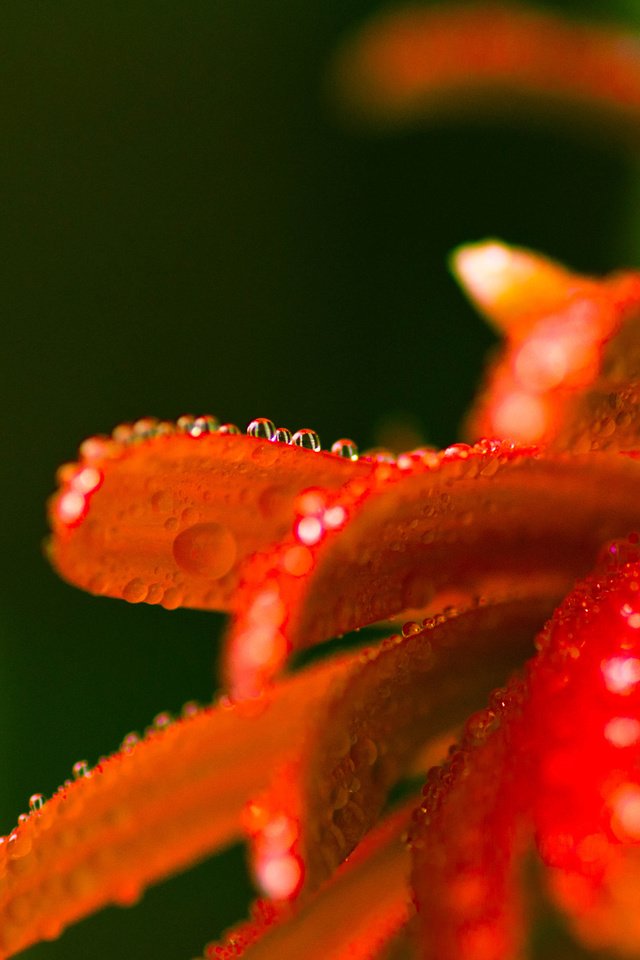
point(185, 422)
point(229, 428)
point(282, 435)
point(345, 448)
point(144, 429)
point(36, 802)
point(190, 709)
point(205, 550)
point(307, 439)
point(122, 433)
point(130, 742)
point(262, 428)
point(134, 591)
point(162, 720)
point(410, 628)
point(80, 769)
point(203, 425)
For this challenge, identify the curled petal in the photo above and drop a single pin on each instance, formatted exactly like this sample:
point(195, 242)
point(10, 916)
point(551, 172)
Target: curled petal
point(353, 916)
point(420, 61)
point(155, 807)
point(169, 518)
point(400, 696)
point(569, 372)
point(480, 520)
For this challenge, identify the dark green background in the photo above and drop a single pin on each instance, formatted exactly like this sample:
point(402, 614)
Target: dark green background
point(190, 225)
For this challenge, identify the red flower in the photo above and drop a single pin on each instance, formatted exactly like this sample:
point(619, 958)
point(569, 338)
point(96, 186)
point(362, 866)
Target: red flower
point(472, 546)
point(301, 545)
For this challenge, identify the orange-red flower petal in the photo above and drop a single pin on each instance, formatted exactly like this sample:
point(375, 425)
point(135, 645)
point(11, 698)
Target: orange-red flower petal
point(399, 695)
point(151, 809)
point(569, 372)
point(168, 517)
point(352, 917)
point(479, 520)
point(424, 60)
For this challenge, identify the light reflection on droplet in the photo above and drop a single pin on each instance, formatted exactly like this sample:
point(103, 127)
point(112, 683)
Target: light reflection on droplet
point(282, 435)
point(345, 448)
point(262, 428)
point(307, 439)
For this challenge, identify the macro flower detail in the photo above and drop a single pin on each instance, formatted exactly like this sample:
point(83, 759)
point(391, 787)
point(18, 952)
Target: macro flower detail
point(471, 548)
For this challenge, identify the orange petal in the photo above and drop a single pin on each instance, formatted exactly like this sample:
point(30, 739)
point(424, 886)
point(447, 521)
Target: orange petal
point(352, 918)
point(167, 517)
point(479, 520)
point(420, 61)
point(152, 809)
point(399, 696)
point(566, 374)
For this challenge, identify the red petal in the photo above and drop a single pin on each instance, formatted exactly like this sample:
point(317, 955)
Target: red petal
point(587, 792)
point(466, 843)
point(171, 518)
point(571, 348)
point(150, 810)
point(480, 520)
point(421, 61)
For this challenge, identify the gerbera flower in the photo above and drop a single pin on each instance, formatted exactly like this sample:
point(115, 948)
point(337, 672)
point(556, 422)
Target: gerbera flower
point(301, 545)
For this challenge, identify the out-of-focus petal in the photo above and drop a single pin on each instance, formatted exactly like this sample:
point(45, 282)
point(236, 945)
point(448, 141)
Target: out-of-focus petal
point(465, 841)
point(150, 810)
point(352, 917)
point(583, 723)
point(480, 520)
point(456, 57)
point(168, 517)
point(569, 373)
point(556, 754)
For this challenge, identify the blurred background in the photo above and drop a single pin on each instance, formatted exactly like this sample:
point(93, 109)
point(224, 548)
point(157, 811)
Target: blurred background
point(191, 224)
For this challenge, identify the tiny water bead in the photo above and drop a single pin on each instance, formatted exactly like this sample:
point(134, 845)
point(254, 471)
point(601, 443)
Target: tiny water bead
point(262, 428)
point(80, 769)
point(36, 802)
point(345, 448)
point(307, 439)
point(282, 435)
point(203, 425)
point(229, 429)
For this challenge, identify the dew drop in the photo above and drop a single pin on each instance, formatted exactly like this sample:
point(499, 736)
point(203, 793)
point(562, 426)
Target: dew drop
point(307, 439)
point(185, 422)
point(130, 742)
point(80, 769)
point(36, 802)
point(262, 428)
point(134, 591)
point(203, 425)
point(345, 448)
point(282, 435)
point(190, 709)
point(144, 429)
point(205, 550)
point(162, 720)
point(229, 428)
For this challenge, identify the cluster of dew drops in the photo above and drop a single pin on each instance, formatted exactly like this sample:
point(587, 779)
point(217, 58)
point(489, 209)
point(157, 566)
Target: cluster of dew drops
point(82, 769)
point(261, 428)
